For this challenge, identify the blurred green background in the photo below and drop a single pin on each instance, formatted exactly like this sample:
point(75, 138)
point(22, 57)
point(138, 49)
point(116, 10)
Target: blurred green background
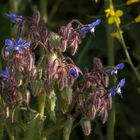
point(57, 13)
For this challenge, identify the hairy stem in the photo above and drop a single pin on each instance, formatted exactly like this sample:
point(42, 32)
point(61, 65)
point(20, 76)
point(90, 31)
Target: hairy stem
point(10, 132)
point(43, 10)
point(41, 103)
point(111, 57)
point(13, 6)
point(127, 53)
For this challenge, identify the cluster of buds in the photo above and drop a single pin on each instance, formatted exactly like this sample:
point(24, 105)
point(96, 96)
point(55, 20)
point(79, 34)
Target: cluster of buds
point(95, 94)
point(50, 71)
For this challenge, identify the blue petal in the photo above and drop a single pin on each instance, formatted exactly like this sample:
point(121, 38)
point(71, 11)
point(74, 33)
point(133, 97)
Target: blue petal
point(84, 30)
point(27, 44)
point(113, 92)
point(95, 23)
point(98, 21)
point(5, 73)
point(122, 82)
point(12, 16)
point(20, 41)
point(120, 66)
point(8, 42)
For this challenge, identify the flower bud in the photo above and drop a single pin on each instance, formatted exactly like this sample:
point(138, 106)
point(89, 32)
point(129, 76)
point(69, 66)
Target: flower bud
point(26, 96)
point(5, 54)
point(54, 40)
point(31, 62)
point(105, 80)
point(33, 74)
point(104, 115)
point(39, 73)
point(64, 45)
point(7, 112)
point(18, 79)
point(86, 126)
point(109, 102)
point(92, 112)
point(97, 63)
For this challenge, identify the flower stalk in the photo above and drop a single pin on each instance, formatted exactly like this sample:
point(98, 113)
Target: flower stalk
point(43, 10)
point(127, 53)
point(41, 103)
point(111, 60)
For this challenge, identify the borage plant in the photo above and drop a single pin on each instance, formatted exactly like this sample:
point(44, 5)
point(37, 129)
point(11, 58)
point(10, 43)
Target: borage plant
point(42, 90)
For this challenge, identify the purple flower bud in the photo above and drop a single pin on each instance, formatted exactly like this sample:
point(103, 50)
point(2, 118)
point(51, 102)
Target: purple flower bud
point(74, 72)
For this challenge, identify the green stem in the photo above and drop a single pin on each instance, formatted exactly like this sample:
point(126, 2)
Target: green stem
point(41, 103)
point(10, 132)
point(13, 6)
point(127, 53)
point(54, 9)
point(43, 10)
point(111, 59)
point(111, 118)
point(84, 50)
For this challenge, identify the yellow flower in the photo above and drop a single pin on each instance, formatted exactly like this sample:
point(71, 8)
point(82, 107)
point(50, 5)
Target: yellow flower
point(96, 1)
point(129, 2)
point(113, 16)
point(117, 35)
point(137, 19)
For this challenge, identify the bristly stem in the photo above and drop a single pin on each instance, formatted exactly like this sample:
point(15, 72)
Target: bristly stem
point(43, 10)
point(13, 6)
point(111, 118)
point(127, 53)
point(10, 132)
point(41, 103)
point(111, 58)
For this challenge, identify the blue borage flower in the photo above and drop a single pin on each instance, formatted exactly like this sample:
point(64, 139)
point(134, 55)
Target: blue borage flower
point(90, 27)
point(117, 68)
point(74, 72)
point(117, 90)
point(15, 18)
point(5, 74)
point(17, 46)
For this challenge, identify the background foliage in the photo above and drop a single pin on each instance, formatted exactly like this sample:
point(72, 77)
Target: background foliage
point(60, 12)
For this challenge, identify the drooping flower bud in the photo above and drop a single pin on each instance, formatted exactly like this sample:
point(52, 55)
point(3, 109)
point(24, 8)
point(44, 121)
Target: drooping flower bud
point(92, 112)
point(26, 96)
point(86, 126)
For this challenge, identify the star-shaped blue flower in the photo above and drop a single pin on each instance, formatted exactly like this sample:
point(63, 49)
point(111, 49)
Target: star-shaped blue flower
point(90, 27)
point(17, 46)
point(117, 90)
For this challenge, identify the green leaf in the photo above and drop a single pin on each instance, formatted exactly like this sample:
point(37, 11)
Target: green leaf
point(67, 129)
point(50, 105)
point(34, 129)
